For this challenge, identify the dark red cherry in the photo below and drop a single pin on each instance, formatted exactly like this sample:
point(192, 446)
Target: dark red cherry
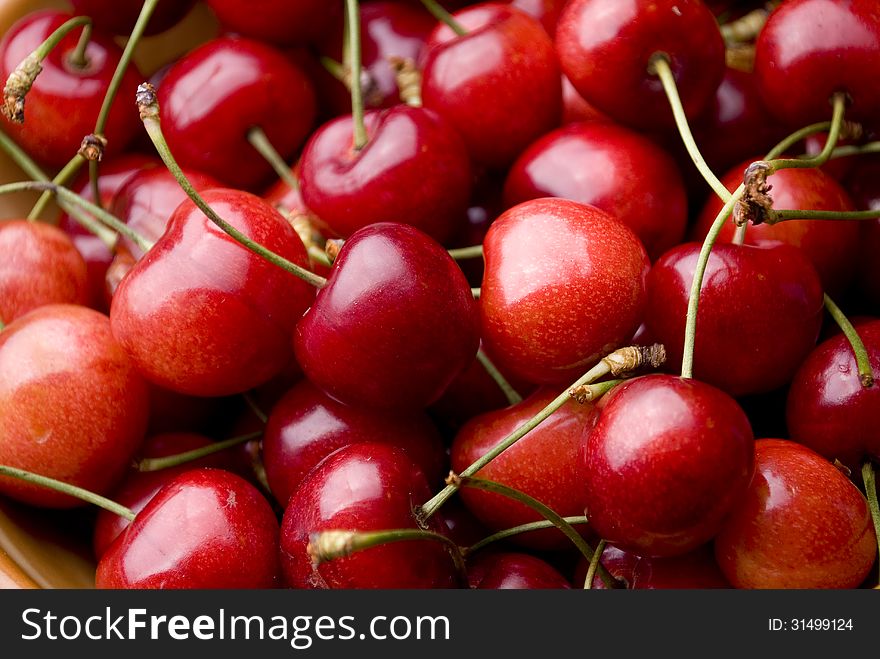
point(63, 104)
point(666, 461)
point(828, 409)
point(605, 48)
point(72, 404)
point(395, 324)
point(513, 571)
point(213, 96)
point(119, 16)
point(696, 569)
point(499, 85)
point(801, 524)
point(363, 487)
point(564, 285)
point(810, 49)
point(863, 185)
point(612, 168)
point(205, 529)
point(306, 426)
point(283, 22)
point(761, 309)
point(201, 314)
point(414, 169)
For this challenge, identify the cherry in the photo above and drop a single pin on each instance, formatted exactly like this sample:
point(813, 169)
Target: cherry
point(544, 464)
point(211, 98)
point(564, 285)
point(810, 49)
point(802, 524)
point(394, 325)
point(363, 487)
point(39, 265)
point(696, 569)
point(283, 22)
point(414, 169)
point(612, 168)
point(72, 404)
point(306, 426)
point(760, 313)
point(666, 461)
point(828, 409)
point(513, 571)
point(206, 528)
point(605, 48)
point(119, 16)
point(202, 315)
point(575, 108)
point(862, 184)
point(498, 84)
point(546, 11)
point(65, 99)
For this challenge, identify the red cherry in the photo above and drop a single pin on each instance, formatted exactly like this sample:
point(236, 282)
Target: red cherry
point(498, 85)
point(666, 461)
point(575, 108)
point(612, 168)
point(564, 285)
point(213, 96)
point(119, 16)
point(72, 404)
point(514, 571)
point(696, 569)
point(760, 313)
point(828, 409)
point(802, 524)
point(202, 315)
point(207, 528)
point(810, 49)
point(394, 325)
point(283, 22)
point(605, 48)
point(863, 185)
point(363, 487)
point(546, 11)
point(65, 100)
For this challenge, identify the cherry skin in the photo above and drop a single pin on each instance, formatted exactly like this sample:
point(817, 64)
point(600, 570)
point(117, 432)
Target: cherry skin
point(499, 85)
point(213, 96)
point(564, 285)
point(205, 529)
point(546, 11)
point(575, 108)
point(828, 409)
point(39, 265)
point(395, 324)
point(119, 16)
point(605, 48)
point(544, 464)
point(810, 49)
point(696, 569)
point(862, 183)
point(72, 404)
point(201, 314)
point(63, 103)
point(667, 460)
point(363, 487)
point(761, 309)
point(612, 168)
point(802, 524)
point(306, 426)
point(514, 571)
point(282, 22)
point(414, 169)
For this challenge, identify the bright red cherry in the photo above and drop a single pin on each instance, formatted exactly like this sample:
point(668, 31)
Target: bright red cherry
point(564, 285)
point(283, 22)
point(513, 571)
point(666, 461)
point(801, 524)
point(119, 16)
point(205, 529)
point(605, 48)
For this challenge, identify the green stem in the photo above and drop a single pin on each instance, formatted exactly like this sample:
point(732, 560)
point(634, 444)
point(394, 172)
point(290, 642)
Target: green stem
point(461, 253)
point(68, 489)
point(334, 68)
point(774, 216)
point(660, 66)
point(518, 530)
point(353, 19)
point(838, 102)
point(869, 479)
point(253, 407)
point(61, 178)
point(149, 108)
point(257, 137)
point(168, 461)
point(855, 150)
point(476, 292)
point(2, 325)
point(596, 391)
point(438, 12)
point(863, 359)
point(21, 159)
point(789, 141)
point(512, 396)
point(594, 565)
point(78, 56)
point(318, 255)
point(94, 183)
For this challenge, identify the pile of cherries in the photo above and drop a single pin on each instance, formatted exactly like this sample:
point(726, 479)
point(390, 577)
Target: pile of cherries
point(346, 309)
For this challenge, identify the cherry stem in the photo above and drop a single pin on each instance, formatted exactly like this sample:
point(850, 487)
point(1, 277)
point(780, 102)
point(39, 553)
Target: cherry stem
point(253, 407)
point(21, 159)
point(476, 292)
point(863, 360)
point(801, 134)
point(591, 392)
point(518, 530)
point(168, 461)
point(594, 565)
point(61, 178)
point(2, 325)
point(353, 21)
point(438, 12)
point(510, 393)
point(855, 150)
point(617, 362)
point(78, 56)
point(745, 28)
point(149, 109)
point(869, 479)
point(318, 255)
point(335, 69)
point(68, 489)
point(659, 65)
point(838, 103)
point(773, 216)
point(461, 253)
point(257, 137)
